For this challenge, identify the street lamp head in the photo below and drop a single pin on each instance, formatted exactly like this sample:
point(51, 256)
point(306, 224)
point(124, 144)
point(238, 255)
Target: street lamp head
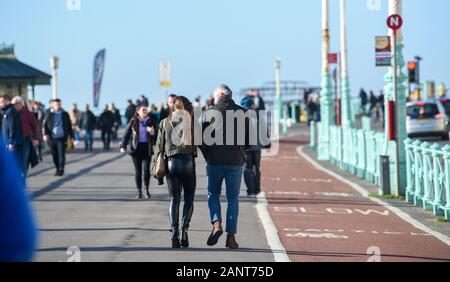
point(54, 62)
point(418, 58)
point(278, 63)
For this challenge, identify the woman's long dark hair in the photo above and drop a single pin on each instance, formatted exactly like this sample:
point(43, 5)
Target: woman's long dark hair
point(183, 104)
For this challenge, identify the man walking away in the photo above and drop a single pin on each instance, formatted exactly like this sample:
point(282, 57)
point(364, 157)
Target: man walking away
point(29, 130)
point(224, 162)
point(57, 129)
point(252, 173)
point(11, 127)
point(106, 123)
point(87, 125)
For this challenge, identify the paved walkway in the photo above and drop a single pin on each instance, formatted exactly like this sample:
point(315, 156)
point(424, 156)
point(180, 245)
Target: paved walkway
point(318, 215)
point(93, 208)
point(322, 218)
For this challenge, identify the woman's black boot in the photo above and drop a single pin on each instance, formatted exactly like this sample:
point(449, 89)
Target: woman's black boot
point(175, 238)
point(184, 237)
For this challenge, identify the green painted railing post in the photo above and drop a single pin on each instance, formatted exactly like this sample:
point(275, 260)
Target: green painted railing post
point(371, 155)
point(409, 170)
point(427, 176)
point(366, 123)
point(418, 194)
point(313, 136)
point(353, 151)
point(446, 151)
point(295, 118)
point(345, 148)
point(438, 201)
point(361, 168)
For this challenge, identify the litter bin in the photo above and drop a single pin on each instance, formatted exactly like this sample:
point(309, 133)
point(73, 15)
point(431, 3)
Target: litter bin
point(385, 176)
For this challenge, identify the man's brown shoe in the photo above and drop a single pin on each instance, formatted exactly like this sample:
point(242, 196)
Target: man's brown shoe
point(231, 242)
point(215, 234)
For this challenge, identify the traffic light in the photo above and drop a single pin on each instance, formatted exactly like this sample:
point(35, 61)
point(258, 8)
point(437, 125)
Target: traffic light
point(412, 72)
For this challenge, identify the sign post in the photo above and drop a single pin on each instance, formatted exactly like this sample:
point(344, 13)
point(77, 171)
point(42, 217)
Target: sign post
point(165, 71)
point(395, 22)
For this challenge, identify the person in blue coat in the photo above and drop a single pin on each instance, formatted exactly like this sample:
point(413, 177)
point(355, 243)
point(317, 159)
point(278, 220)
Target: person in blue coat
point(17, 227)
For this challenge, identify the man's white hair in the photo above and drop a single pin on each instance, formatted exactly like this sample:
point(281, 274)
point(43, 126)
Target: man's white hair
point(17, 100)
point(224, 90)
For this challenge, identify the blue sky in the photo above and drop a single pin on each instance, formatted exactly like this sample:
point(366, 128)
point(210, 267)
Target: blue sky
point(210, 42)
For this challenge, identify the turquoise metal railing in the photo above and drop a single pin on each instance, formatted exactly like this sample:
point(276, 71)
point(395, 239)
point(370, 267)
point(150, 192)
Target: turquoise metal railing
point(356, 151)
point(428, 176)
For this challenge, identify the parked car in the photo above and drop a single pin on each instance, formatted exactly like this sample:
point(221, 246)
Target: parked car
point(445, 101)
point(427, 118)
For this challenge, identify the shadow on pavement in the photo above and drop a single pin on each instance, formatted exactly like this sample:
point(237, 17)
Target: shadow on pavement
point(63, 180)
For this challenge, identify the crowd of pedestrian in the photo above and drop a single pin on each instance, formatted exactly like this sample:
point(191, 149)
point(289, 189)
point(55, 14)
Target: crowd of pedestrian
point(26, 127)
point(167, 134)
point(372, 105)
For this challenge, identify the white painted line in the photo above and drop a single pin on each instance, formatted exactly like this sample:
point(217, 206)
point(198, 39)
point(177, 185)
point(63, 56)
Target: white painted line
point(406, 217)
point(278, 250)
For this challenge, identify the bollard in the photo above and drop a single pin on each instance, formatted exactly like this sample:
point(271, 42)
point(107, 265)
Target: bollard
point(313, 143)
point(385, 175)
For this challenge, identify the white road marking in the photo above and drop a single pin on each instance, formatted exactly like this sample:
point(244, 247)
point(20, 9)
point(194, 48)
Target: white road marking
point(393, 233)
point(278, 250)
point(406, 217)
point(325, 194)
point(316, 235)
point(335, 211)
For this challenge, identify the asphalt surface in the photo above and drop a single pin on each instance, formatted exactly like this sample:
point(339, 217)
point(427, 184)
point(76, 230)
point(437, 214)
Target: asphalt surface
point(93, 209)
point(317, 216)
point(321, 218)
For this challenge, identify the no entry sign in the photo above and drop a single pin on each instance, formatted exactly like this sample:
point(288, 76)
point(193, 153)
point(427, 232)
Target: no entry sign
point(395, 22)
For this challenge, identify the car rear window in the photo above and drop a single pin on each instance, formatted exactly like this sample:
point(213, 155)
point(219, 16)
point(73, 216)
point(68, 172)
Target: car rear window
point(422, 111)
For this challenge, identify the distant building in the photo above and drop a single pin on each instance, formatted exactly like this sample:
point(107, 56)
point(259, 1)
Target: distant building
point(16, 77)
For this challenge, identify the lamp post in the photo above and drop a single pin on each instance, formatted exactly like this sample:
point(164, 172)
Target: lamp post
point(54, 64)
point(326, 94)
point(397, 148)
point(278, 103)
point(346, 118)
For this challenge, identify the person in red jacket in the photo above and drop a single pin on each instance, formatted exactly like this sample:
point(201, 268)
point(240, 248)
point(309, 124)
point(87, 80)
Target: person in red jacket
point(30, 132)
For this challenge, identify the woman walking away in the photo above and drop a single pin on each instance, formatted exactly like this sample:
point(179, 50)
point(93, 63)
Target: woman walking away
point(176, 141)
point(140, 134)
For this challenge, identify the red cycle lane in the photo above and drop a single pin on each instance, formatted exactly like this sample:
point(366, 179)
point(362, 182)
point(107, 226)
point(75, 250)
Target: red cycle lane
point(320, 218)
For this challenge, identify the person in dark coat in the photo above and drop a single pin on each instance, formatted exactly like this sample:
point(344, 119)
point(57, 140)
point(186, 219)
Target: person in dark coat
point(87, 124)
point(252, 172)
point(225, 161)
point(106, 124)
point(11, 127)
point(29, 132)
point(140, 135)
point(165, 112)
point(130, 111)
point(117, 122)
point(57, 129)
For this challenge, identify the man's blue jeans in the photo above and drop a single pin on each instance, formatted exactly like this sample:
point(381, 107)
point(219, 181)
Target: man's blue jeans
point(233, 177)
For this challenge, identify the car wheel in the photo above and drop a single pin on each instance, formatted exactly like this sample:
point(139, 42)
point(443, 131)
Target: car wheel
point(446, 137)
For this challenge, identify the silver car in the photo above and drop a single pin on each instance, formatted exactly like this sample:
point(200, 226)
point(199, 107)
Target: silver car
point(427, 118)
